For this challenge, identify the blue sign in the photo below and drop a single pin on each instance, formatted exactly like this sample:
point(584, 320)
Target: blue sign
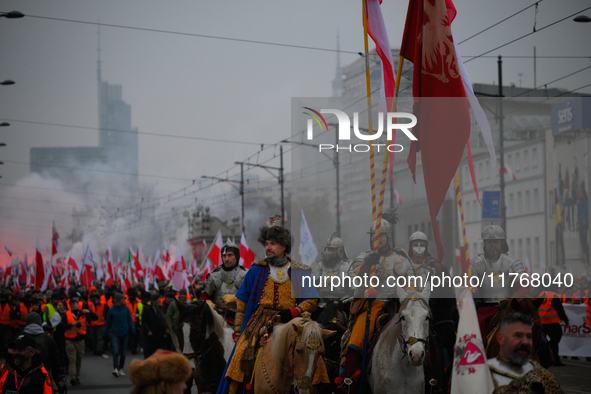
point(491, 202)
point(571, 115)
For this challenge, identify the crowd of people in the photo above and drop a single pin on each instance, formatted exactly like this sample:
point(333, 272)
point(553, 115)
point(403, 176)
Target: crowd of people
point(43, 336)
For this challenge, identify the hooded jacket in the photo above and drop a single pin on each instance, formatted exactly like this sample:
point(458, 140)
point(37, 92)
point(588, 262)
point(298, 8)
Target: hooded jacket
point(36, 381)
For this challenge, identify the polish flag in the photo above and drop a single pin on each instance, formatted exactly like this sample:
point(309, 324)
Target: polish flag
point(179, 274)
point(247, 256)
point(71, 262)
point(206, 270)
point(8, 250)
point(39, 268)
point(509, 173)
point(110, 269)
point(17, 288)
point(165, 254)
point(216, 249)
point(397, 197)
point(56, 244)
point(88, 263)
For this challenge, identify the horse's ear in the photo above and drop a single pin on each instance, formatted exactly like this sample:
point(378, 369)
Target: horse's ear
point(327, 333)
point(179, 305)
point(297, 328)
point(515, 305)
point(401, 293)
point(426, 292)
point(538, 302)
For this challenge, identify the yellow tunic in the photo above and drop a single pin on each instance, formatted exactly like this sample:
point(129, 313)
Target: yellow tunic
point(275, 297)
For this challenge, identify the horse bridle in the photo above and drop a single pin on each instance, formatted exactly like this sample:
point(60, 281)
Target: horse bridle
point(411, 340)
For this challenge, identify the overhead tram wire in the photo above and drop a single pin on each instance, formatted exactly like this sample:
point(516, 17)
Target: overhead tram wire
point(192, 34)
point(556, 80)
point(499, 22)
point(527, 35)
point(134, 132)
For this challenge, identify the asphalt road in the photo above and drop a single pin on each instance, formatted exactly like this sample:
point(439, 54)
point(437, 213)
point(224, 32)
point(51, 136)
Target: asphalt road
point(96, 376)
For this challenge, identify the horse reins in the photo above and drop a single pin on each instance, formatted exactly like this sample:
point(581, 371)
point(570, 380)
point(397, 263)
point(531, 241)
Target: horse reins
point(411, 340)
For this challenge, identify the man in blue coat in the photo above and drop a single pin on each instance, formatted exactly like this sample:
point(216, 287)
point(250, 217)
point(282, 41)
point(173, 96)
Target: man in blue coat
point(120, 323)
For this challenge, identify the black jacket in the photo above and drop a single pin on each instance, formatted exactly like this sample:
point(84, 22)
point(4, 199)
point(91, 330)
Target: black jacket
point(36, 379)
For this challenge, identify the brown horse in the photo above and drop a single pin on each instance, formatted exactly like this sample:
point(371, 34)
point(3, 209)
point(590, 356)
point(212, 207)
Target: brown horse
point(527, 306)
point(205, 338)
point(290, 357)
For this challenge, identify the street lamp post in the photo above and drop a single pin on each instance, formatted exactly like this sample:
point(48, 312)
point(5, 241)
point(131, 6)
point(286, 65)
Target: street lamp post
point(240, 190)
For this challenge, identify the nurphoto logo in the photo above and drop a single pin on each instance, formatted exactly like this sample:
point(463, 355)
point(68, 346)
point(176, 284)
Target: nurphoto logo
point(344, 130)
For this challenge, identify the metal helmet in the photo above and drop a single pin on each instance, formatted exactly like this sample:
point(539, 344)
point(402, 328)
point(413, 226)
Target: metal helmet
point(336, 242)
point(418, 236)
point(232, 247)
point(385, 228)
point(493, 231)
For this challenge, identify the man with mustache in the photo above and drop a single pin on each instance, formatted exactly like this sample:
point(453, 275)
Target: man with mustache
point(25, 373)
point(495, 265)
point(513, 368)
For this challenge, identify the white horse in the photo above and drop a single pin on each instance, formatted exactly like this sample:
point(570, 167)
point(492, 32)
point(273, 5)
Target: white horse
point(398, 356)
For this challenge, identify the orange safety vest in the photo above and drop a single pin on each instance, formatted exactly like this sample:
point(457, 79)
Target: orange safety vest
point(72, 331)
point(100, 312)
point(547, 312)
point(5, 315)
point(132, 310)
point(46, 383)
point(24, 312)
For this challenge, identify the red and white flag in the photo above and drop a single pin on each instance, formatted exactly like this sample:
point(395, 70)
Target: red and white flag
point(470, 369)
point(39, 268)
point(110, 268)
point(377, 30)
point(165, 255)
point(72, 263)
point(56, 243)
point(88, 263)
point(17, 288)
point(179, 268)
point(8, 250)
point(397, 197)
point(509, 173)
point(247, 256)
point(428, 44)
point(215, 254)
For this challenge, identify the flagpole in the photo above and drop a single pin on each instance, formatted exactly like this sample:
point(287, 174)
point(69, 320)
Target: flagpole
point(459, 201)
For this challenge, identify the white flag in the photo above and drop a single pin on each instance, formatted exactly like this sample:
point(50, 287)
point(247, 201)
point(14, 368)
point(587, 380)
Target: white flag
point(307, 250)
point(470, 369)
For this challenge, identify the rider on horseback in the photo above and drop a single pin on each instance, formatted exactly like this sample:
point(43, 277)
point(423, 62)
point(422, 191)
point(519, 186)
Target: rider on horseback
point(496, 262)
point(225, 280)
point(334, 262)
point(266, 297)
point(388, 261)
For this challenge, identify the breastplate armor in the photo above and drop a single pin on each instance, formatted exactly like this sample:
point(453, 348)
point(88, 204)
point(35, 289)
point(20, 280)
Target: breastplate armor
point(492, 292)
point(321, 270)
point(220, 283)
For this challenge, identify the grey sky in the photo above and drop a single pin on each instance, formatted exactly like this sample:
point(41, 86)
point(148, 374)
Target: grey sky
point(194, 86)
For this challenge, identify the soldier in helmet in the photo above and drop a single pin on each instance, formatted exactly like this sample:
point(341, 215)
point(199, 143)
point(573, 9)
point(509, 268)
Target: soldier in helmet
point(496, 261)
point(334, 261)
point(387, 261)
point(225, 279)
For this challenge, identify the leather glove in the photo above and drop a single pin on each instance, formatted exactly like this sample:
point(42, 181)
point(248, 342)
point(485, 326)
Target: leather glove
point(371, 259)
point(566, 322)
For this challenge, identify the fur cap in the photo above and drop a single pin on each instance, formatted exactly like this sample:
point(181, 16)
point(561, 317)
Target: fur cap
point(163, 365)
point(279, 234)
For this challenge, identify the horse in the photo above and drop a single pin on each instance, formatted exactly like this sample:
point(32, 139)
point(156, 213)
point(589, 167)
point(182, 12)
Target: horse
point(333, 318)
point(527, 306)
point(289, 357)
point(205, 338)
point(401, 349)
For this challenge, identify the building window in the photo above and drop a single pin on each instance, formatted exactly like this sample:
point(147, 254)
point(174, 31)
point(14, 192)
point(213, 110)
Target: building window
point(551, 203)
point(536, 260)
point(536, 202)
point(511, 207)
point(519, 207)
point(480, 171)
point(528, 250)
point(526, 159)
point(467, 211)
point(487, 169)
point(509, 161)
point(520, 249)
point(512, 250)
point(534, 158)
point(409, 231)
point(527, 202)
point(475, 210)
point(517, 167)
